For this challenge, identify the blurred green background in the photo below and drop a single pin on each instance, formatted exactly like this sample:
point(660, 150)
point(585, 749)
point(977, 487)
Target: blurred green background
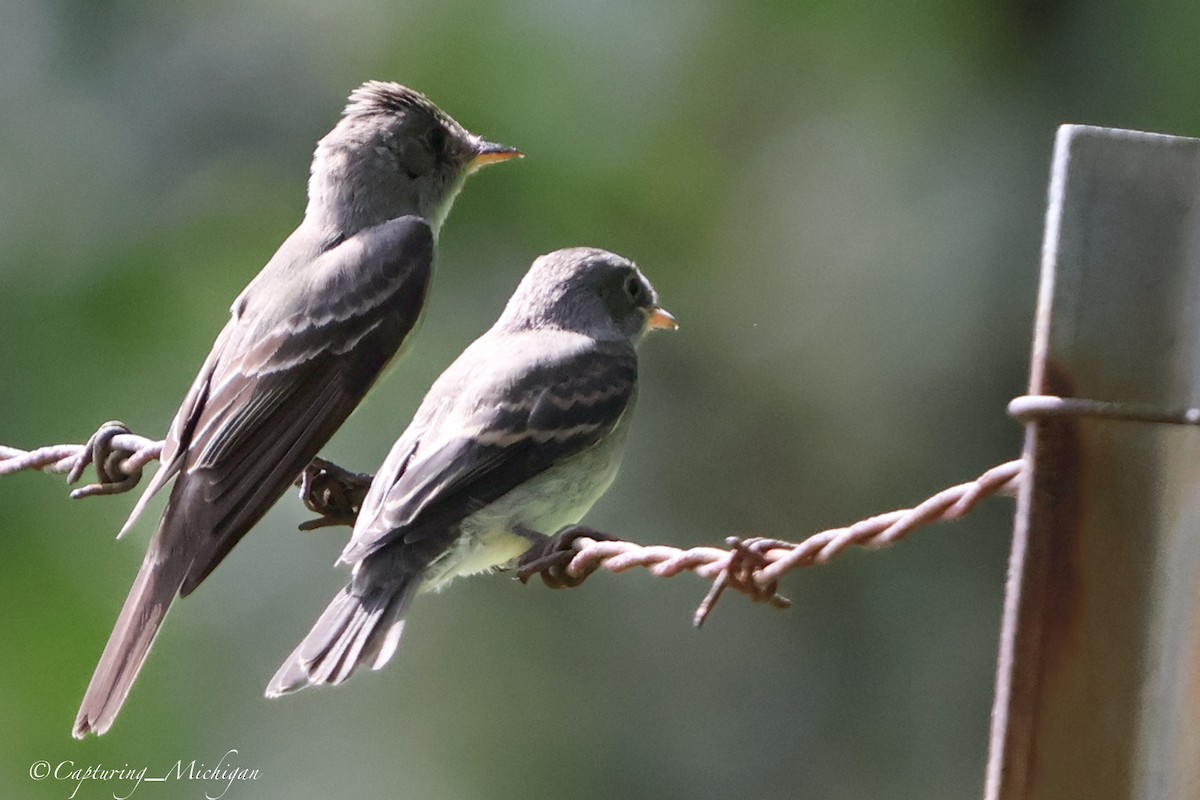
point(840, 201)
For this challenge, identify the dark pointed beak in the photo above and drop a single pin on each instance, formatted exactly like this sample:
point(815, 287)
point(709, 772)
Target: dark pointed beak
point(491, 153)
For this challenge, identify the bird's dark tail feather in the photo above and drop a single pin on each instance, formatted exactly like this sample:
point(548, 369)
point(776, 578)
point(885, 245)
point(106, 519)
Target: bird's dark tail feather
point(355, 629)
point(156, 586)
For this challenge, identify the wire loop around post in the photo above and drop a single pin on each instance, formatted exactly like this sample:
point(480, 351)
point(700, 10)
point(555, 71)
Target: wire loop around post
point(1038, 406)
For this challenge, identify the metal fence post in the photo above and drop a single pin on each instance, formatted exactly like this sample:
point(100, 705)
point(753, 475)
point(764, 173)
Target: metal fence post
point(1098, 681)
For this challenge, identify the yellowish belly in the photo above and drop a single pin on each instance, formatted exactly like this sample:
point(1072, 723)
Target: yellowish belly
point(556, 498)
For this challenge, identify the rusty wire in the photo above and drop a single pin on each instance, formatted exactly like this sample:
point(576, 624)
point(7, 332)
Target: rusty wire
point(117, 454)
point(754, 566)
point(750, 566)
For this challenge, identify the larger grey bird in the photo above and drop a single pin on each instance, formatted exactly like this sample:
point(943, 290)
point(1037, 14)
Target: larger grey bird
point(521, 434)
point(307, 339)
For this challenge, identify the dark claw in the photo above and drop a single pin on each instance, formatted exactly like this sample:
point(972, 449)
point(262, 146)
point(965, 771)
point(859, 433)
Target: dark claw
point(550, 555)
point(333, 492)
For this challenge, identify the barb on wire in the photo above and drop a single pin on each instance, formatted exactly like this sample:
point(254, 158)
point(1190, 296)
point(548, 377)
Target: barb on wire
point(117, 454)
point(754, 566)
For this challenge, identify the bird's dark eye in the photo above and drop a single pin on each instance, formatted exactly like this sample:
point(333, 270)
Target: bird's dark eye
point(436, 139)
point(633, 287)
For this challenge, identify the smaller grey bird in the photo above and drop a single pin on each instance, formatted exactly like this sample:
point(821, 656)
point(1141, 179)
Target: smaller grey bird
point(521, 434)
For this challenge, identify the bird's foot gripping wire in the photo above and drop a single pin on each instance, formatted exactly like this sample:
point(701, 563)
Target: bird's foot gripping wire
point(335, 493)
point(550, 557)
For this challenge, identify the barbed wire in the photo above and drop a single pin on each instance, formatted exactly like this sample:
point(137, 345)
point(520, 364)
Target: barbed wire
point(117, 454)
point(754, 566)
point(751, 566)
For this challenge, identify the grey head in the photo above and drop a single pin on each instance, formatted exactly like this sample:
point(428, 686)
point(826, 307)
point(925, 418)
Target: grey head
point(588, 291)
point(393, 153)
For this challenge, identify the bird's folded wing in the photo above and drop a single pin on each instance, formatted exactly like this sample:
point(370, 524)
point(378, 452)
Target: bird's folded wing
point(540, 416)
point(276, 392)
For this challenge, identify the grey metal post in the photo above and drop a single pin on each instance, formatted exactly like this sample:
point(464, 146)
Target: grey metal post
point(1098, 682)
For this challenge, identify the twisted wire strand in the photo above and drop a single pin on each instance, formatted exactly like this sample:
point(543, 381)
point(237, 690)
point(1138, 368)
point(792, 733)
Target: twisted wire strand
point(117, 454)
point(754, 566)
point(750, 566)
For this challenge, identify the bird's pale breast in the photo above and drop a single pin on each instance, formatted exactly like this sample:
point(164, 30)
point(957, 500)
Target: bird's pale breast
point(558, 497)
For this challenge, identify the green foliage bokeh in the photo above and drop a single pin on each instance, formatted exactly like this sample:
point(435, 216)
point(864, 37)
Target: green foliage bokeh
point(842, 204)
